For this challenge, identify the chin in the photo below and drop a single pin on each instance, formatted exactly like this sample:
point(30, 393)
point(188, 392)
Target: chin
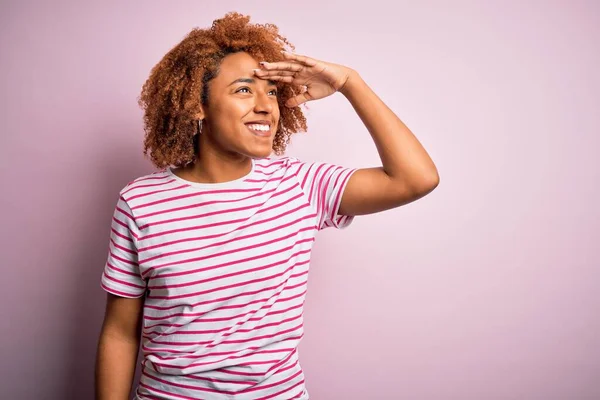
point(260, 153)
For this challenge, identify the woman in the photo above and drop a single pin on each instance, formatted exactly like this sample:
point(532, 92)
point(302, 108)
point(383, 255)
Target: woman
point(209, 257)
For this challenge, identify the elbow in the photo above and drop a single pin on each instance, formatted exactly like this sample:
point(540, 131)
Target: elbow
point(434, 180)
point(427, 183)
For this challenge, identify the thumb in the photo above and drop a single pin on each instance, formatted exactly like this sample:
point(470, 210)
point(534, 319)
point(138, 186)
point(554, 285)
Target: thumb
point(297, 100)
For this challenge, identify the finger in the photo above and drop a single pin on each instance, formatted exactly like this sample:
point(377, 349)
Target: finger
point(297, 100)
point(266, 74)
point(281, 66)
point(279, 78)
point(309, 62)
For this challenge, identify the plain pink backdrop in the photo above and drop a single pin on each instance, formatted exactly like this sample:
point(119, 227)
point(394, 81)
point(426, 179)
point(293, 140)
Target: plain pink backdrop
point(486, 289)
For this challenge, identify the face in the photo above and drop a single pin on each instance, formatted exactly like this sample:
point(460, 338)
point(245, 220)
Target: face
point(242, 113)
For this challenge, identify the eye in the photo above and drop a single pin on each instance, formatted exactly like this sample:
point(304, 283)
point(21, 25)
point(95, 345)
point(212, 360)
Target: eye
point(275, 92)
point(243, 88)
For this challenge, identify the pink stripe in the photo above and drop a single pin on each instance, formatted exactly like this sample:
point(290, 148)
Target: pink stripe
point(274, 396)
point(148, 185)
point(271, 164)
point(310, 167)
point(224, 253)
point(228, 370)
point(322, 201)
point(206, 203)
point(258, 180)
point(279, 301)
point(124, 260)
point(181, 367)
point(125, 226)
point(153, 268)
point(212, 267)
point(168, 326)
point(203, 389)
point(182, 296)
point(284, 361)
point(121, 235)
point(252, 339)
point(142, 249)
point(163, 392)
point(119, 293)
point(225, 319)
point(137, 196)
point(264, 173)
point(318, 181)
point(219, 288)
point(195, 194)
point(244, 315)
point(200, 378)
point(126, 250)
point(299, 393)
point(335, 190)
point(285, 202)
point(192, 228)
point(122, 270)
point(338, 198)
point(158, 334)
point(208, 214)
point(251, 293)
point(225, 353)
point(122, 282)
point(217, 244)
point(314, 181)
point(250, 389)
point(179, 385)
point(173, 343)
point(218, 201)
point(165, 175)
point(274, 384)
point(184, 354)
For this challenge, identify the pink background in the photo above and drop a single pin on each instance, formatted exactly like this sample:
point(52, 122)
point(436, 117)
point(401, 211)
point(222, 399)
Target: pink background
point(485, 289)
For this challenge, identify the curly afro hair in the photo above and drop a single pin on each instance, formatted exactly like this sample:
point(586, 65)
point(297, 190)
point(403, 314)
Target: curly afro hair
point(178, 85)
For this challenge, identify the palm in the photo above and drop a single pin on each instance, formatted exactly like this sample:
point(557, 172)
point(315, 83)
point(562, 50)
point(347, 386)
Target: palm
point(321, 79)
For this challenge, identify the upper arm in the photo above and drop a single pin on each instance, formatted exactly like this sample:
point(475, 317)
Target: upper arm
point(371, 190)
point(121, 275)
point(123, 317)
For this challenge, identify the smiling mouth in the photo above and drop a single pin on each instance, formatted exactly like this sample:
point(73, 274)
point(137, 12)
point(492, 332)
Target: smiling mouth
point(260, 130)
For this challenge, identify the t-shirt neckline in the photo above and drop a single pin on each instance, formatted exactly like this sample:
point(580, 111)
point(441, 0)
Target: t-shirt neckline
point(218, 185)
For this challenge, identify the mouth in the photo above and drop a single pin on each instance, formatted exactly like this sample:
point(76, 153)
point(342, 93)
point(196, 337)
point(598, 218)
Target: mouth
point(260, 128)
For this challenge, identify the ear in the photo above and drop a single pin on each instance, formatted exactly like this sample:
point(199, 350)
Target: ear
point(200, 114)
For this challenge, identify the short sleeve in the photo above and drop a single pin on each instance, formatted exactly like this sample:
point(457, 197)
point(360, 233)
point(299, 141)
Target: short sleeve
point(121, 275)
point(324, 186)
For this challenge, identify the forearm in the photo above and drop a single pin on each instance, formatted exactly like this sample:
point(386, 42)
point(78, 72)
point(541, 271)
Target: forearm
point(115, 367)
point(402, 155)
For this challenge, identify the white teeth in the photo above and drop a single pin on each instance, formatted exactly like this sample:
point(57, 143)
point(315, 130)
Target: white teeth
point(262, 128)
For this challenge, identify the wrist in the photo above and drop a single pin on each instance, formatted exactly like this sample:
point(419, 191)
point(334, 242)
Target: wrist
point(351, 83)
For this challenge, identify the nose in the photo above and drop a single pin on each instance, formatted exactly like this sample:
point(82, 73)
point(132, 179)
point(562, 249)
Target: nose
point(262, 103)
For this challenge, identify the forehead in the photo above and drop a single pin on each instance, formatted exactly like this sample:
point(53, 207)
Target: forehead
point(234, 66)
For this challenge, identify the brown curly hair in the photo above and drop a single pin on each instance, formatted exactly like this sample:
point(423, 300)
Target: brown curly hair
point(178, 85)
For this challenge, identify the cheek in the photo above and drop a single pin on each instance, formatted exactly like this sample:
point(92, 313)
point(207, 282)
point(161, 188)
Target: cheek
point(229, 115)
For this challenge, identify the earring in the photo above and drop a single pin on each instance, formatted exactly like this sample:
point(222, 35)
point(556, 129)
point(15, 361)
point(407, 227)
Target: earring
point(199, 127)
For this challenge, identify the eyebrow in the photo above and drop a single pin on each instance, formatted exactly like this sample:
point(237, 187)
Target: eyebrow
point(250, 80)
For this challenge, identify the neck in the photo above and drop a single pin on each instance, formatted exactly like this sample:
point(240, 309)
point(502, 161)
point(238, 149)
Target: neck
point(212, 166)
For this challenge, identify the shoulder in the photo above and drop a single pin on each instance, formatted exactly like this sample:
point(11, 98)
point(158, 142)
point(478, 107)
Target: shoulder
point(145, 184)
point(277, 165)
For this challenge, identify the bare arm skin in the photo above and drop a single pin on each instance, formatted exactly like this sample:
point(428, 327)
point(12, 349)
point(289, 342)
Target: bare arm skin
point(118, 347)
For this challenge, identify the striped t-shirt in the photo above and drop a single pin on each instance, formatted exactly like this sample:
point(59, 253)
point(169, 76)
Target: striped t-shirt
point(224, 268)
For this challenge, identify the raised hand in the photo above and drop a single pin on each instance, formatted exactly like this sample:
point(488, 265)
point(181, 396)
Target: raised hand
point(321, 78)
